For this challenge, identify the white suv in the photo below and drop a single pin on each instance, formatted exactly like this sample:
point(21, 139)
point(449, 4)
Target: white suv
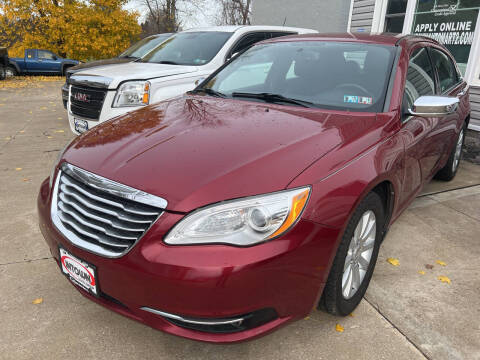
point(173, 68)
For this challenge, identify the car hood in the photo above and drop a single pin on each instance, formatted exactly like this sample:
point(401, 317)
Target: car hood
point(197, 150)
point(133, 71)
point(90, 64)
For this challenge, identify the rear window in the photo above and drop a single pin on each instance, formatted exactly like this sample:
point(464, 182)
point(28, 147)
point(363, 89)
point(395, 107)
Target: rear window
point(332, 75)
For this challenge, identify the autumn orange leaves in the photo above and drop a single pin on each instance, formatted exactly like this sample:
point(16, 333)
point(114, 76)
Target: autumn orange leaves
point(442, 278)
point(82, 30)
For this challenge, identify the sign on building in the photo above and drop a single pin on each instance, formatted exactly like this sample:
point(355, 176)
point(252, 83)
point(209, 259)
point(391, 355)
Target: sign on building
point(451, 23)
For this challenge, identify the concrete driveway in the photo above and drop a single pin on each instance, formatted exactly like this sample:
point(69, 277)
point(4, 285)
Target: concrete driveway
point(407, 314)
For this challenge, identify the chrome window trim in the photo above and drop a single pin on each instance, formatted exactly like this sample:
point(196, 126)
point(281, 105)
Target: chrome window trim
point(194, 321)
point(107, 186)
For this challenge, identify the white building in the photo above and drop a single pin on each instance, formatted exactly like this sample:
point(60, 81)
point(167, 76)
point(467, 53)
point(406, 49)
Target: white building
point(452, 22)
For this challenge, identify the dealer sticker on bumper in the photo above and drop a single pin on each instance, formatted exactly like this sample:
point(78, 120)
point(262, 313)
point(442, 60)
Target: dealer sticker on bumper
point(79, 271)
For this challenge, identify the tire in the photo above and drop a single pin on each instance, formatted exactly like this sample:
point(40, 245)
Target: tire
point(10, 72)
point(335, 299)
point(450, 169)
point(2, 73)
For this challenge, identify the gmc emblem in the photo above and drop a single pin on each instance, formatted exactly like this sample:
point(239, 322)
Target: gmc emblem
point(81, 97)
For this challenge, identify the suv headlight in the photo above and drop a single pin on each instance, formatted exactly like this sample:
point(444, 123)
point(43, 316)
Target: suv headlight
point(241, 222)
point(132, 93)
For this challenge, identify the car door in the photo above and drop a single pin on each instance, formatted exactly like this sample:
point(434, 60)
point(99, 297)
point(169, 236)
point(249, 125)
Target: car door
point(31, 64)
point(416, 131)
point(48, 61)
point(449, 84)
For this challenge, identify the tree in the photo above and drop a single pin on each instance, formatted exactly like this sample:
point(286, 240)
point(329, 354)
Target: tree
point(164, 15)
point(235, 12)
point(81, 29)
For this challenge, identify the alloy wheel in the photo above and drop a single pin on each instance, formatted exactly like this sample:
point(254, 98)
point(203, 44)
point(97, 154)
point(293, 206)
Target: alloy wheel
point(359, 254)
point(458, 150)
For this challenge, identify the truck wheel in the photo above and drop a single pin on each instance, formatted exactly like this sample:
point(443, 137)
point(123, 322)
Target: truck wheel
point(2, 73)
point(10, 72)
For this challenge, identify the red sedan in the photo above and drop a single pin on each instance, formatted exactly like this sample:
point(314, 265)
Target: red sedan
point(264, 193)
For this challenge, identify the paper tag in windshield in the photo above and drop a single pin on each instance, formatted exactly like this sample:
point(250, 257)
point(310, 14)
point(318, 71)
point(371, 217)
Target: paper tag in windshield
point(364, 100)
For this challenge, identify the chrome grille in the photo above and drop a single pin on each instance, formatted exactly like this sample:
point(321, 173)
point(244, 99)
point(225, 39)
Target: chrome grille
point(91, 103)
point(100, 215)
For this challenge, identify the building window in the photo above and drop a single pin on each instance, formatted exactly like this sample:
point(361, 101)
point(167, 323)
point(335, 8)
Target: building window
point(450, 22)
point(395, 16)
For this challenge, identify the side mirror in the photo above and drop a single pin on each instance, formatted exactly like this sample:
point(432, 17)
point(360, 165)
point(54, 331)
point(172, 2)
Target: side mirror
point(434, 106)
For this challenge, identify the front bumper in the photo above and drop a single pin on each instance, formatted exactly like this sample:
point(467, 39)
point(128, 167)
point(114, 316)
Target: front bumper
point(65, 95)
point(209, 281)
point(108, 112)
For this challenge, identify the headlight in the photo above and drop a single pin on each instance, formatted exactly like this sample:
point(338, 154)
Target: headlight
point(241, 222)
point(59, 156)
point(132, 93)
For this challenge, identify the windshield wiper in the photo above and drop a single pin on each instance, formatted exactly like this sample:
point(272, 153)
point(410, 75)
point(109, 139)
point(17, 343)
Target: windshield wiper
point(168, 62)
point(208, 91)
point(273, 98)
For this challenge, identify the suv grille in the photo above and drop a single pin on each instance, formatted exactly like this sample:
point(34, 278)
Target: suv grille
point(87, 102)
point(99, 215)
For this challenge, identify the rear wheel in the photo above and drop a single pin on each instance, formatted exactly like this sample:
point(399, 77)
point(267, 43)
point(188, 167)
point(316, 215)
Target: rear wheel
point(356, 257)
point(449, 171)
point(10, 72)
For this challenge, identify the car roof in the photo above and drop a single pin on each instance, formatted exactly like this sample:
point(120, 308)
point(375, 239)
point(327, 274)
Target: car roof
point(234, 28)
point(372, 38)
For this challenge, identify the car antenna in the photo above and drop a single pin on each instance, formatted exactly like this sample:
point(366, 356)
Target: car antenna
point(284, 21)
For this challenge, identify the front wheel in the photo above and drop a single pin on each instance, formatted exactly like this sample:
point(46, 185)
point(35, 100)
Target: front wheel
point(356, 257)
point(449, 171)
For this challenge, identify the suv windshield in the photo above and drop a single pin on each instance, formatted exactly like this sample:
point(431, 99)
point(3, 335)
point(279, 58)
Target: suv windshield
point(331, 75)
point(144, 46)
point(189, 48)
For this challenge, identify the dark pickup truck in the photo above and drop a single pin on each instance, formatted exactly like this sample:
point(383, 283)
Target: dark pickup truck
point(3, 62)
point(39, 62)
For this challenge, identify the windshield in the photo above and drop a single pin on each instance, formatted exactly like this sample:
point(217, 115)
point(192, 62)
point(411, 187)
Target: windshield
point(331, 75)
point(144, 46)
point(189, 48)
